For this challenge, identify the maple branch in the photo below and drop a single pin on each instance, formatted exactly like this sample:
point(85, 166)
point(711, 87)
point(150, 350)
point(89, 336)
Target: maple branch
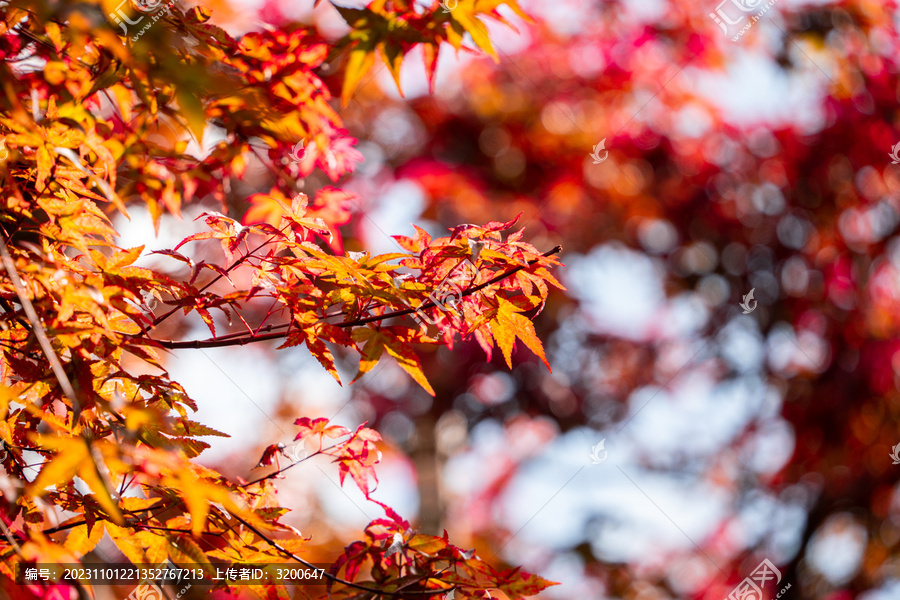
point(282, 470)
point(242, 339)
point(175, 530)
point(161, 318)
point(39, 332)
point(77, 523)
point(467, 292)
point(162, 509)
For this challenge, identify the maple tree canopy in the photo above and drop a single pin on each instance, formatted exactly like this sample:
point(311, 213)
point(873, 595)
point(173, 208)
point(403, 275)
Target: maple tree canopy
point(688, 154)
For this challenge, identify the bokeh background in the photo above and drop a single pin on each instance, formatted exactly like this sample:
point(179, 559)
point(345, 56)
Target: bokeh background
point(760, 164)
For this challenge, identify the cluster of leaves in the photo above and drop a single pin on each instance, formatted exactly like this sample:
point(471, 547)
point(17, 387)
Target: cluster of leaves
point(96, 125)
point(396, 554)
point(393, 28)
point(312, 286)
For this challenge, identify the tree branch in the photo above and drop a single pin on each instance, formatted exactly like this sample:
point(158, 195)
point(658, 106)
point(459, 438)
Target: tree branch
point(243, 339)
point(39, 332)
point(161, 318)
point(283, 469)
point(159, 511)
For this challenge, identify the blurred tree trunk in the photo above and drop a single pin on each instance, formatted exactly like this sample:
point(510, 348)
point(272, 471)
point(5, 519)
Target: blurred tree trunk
point(425, 459)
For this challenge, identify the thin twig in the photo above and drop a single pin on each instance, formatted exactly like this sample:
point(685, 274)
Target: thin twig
point(162, 318)
point(283, 469)
point(10, 537)
point(174, 530)
point(78, 523)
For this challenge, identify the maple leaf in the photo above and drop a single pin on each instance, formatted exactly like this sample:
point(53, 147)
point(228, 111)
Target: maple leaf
point(319, 428)
point(269, 455)
point(507, 324)
point(351, 560)
point(229, 232)
point(357, 457)
point(360, 60)
point(74, 457)
point(334, 153)
point(395, 341)
point(393, 523)
point(517, 584)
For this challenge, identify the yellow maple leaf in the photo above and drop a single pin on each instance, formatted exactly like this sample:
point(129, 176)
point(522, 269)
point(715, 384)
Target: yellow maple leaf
point(509, 324)
point(74, 457)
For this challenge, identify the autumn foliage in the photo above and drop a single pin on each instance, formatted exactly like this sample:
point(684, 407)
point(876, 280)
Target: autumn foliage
point(718, 176)
point(97, 120)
